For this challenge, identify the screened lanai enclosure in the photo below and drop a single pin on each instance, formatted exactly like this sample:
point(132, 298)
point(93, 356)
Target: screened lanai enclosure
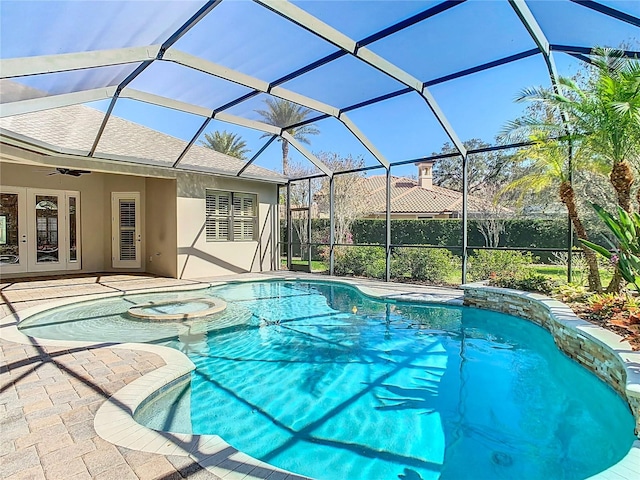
point(397, 115)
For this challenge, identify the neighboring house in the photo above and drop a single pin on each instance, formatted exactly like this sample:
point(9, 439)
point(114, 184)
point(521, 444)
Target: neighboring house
point(419, 199)
point(131, 211)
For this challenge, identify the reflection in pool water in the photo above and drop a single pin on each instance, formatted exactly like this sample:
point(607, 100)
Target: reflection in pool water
point(394, 391)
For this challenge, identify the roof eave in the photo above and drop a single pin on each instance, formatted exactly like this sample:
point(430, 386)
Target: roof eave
point(121, 164)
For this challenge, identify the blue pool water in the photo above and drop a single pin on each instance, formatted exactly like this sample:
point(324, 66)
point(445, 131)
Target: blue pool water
point(323, 381)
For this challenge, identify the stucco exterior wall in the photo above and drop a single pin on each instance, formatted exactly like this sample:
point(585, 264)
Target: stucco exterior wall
point(172, 212)
point(161, 227)
point(198, 258)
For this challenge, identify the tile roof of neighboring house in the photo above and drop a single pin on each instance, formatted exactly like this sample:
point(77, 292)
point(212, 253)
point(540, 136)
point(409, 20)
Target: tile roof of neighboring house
point(408, 197)
point(75, 128)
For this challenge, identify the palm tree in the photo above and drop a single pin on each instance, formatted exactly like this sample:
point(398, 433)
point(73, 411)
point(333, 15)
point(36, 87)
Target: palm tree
point(226, 142)
point(282, 113)
point(603, 116)
point(547, 168)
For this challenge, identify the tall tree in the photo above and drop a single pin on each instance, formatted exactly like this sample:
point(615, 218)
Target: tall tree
point(486, 170)
point(282, 113)
point(351, 198)
point(226, 142)
point(547, 167)
point(350, 194)
point(491, 215)
point(603, 115)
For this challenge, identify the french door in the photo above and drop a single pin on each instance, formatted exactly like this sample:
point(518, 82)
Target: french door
point(39, 230)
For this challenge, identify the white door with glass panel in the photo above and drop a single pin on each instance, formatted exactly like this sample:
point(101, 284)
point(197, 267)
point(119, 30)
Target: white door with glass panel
point(39, 230)
point(125, 227)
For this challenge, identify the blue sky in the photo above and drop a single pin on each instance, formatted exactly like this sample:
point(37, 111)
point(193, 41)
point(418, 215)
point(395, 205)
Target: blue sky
point(245, 36)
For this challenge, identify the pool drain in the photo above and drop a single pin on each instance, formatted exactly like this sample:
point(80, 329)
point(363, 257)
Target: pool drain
point(501, 458)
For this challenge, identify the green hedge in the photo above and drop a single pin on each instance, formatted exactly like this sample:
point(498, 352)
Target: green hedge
point(549, 233)
point(518, 233)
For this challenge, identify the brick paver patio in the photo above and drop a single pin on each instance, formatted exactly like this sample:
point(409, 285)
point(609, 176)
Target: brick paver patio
point(49, 395)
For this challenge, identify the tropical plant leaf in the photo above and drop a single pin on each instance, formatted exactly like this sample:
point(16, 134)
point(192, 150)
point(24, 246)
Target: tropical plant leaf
point(597, 248)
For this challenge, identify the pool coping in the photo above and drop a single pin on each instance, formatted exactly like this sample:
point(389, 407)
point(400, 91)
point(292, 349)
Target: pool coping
point(114, 420)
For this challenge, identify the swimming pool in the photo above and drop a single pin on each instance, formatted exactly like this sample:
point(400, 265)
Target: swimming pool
point(318, 379)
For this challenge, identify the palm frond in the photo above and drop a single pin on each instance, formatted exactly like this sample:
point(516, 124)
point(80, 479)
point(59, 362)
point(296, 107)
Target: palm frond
point(226, 142)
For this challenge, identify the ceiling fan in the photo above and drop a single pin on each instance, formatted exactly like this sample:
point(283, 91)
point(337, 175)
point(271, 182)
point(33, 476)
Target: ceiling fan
point(69, 171)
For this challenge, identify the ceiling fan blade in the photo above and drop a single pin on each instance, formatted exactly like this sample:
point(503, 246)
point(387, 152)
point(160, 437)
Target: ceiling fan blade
point(71, 172)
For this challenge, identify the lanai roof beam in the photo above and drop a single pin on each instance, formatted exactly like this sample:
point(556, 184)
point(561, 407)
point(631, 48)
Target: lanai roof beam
point(177, 35)
point(227, 118)
point(538, 36)
point(55, 101)
point(611, 12)
point(307, 21)
point(262, 86)
point(22, 67)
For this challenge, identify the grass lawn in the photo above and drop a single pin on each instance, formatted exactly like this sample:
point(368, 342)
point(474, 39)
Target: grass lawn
point(559, 273)
point(316, 265)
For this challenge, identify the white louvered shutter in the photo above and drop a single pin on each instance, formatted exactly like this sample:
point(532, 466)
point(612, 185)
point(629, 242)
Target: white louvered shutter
point(127, 230)
point(244, 216)
point(218, 214)
point(126, 235)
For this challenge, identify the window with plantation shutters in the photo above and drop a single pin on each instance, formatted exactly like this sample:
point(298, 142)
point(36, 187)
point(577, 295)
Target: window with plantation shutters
point(218, 215)
point(231, 216)
point(244, 216)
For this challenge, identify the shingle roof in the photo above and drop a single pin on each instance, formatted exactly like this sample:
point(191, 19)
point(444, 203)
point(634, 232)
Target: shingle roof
point(408, 197)
point(75, 128)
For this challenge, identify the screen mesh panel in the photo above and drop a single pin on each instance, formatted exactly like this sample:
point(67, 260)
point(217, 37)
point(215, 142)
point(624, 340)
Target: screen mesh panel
point(364, 58)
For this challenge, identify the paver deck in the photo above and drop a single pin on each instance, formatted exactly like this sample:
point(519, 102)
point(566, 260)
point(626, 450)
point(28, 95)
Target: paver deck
point(49, 395)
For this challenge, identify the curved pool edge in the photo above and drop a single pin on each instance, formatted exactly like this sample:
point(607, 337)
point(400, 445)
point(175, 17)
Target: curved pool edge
point(114, 421)
point(601, 351)
point(116, 424)
point(372, 288)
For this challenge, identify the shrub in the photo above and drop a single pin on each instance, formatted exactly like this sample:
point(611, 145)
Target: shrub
point(360, 261)
point(530, 283)
point(485, 264)
point(430, 265)
point(626, 229)
point(572, 292)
